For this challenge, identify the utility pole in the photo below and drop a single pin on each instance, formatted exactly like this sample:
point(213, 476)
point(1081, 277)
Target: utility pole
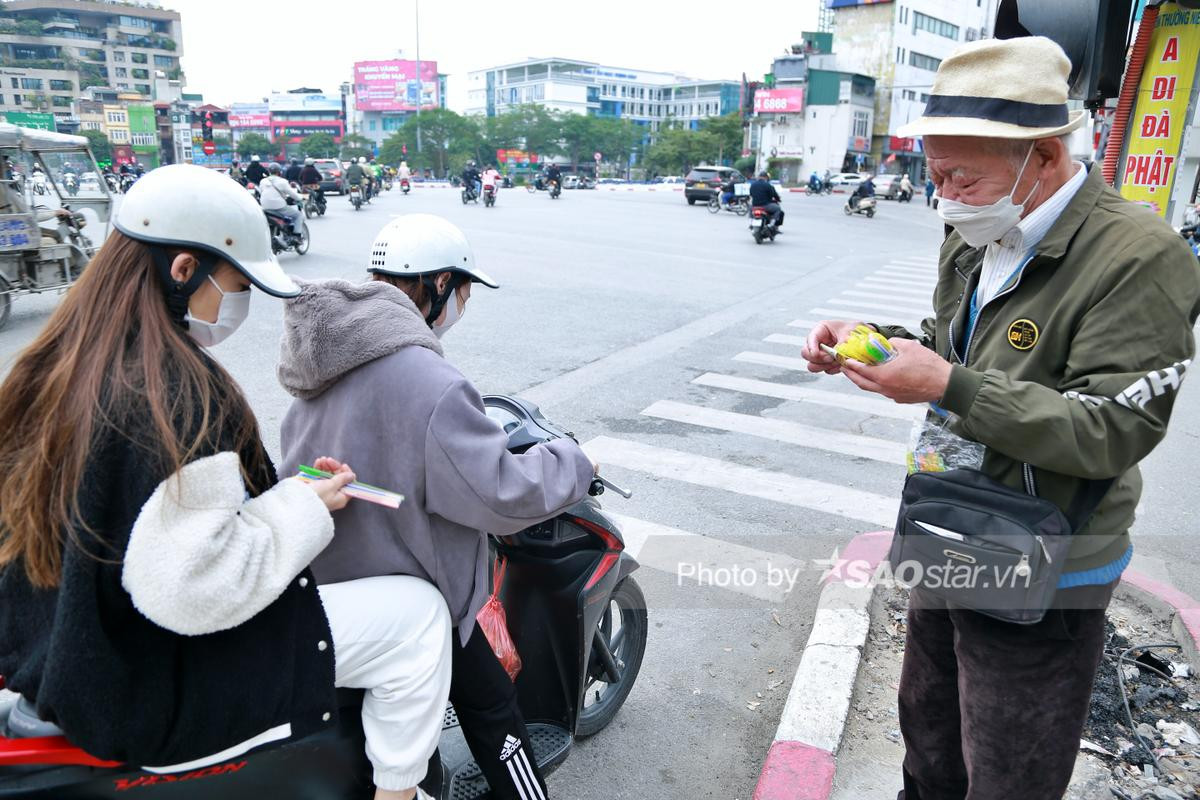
point(420, 86)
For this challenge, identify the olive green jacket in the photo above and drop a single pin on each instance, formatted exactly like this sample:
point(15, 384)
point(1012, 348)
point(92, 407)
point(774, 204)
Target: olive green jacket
point(1074, 366)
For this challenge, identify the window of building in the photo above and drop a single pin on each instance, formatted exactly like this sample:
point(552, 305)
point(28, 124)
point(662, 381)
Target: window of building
point(134, 22)
point(164, 61)
point(16, 84)
point(138, 58)
point(862, 124)
point(31, 83)
point(909, 94)
point(144, 88)
point(924, 97)
point(122, 72)
point(899, 55)
point(903, 15)
point(62, 101)
point(924, 22)
point(18, 99)
point(61, 86)
point(122, 85)
point(922, 61)
point(119, 55)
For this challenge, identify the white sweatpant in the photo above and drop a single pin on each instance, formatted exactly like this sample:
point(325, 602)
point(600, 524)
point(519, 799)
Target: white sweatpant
point(391, 636)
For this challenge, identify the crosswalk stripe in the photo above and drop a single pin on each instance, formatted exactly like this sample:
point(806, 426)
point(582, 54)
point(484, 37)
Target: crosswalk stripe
point(772, 360)
point(871, 289)
point(912, 283)
point(912, 272)
point(847, 444)
point(802, 323)
point(875, 284)
point(906, 307)
point(856, 401)
point(913, 262)
point(783, 338)
point(677, 552)
point(867, 314)
point(827, 498)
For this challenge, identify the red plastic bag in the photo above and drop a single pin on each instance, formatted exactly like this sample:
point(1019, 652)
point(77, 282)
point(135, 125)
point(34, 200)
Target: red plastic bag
point(494, 622)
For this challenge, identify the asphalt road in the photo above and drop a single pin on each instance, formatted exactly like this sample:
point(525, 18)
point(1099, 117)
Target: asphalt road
point(668, 341)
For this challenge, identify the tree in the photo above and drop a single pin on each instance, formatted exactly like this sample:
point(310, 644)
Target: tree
point(254, 144)
point(581, 135)
point(319, 145)
point(355, 145)
point(727, 133)
point(446, 138)
point(100, 145)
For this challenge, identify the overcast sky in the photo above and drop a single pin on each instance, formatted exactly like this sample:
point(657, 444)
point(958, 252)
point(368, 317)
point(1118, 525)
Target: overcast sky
point(243, 50)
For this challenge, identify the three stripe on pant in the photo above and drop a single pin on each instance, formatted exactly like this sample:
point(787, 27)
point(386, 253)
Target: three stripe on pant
point(514, 757)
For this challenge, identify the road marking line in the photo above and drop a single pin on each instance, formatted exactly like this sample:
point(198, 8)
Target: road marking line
point(864, 315)
point(847, 444)
point(907, 307)
point(772, 360)
point(876, 290)
point(827, 498)
point(783, 338)
point(857, 401)
point(803, 323)
point(908, 272)
point(913, 283)
point(912, 262)
point(667, 549)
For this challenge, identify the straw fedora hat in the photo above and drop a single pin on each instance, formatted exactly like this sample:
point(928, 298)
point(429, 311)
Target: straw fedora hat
point(1000, 88)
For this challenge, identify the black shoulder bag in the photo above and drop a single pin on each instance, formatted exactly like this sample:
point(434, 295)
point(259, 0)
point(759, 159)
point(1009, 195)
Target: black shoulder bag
point(976, 543)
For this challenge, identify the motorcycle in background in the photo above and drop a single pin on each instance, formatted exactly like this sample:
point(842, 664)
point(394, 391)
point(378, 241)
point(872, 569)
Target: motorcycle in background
point(356, 196)
point(404, 185)
point(71, 183)
point(489, 196)
point(865, 205)
point(762, 225)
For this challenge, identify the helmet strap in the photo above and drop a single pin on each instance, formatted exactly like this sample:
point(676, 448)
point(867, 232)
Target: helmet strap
point(439, 301)
point(178, 293)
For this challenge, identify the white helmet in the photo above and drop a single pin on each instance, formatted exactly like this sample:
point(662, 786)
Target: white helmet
point(362, 159)
point(254, 158)
point(192, 207)
point(308, 162)
point(424, 244)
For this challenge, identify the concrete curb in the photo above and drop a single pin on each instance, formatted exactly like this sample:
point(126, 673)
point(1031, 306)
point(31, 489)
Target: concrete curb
point(802, 761)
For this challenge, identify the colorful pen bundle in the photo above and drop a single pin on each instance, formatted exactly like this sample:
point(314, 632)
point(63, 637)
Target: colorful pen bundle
point(865, 345)
point(359, 491)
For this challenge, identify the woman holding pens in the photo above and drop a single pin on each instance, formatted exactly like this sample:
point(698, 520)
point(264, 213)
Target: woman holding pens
point(155, 598)
point(365, 364)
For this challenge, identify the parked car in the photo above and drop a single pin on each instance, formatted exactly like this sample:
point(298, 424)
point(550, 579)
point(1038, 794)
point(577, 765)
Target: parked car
point(887, 186)
point(332, 175)
point(703, 182)
point(587, 182)
point(570, 181)
point(671, 179)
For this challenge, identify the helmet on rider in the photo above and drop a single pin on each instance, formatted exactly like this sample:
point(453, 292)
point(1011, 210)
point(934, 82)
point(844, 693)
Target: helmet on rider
point(182, 206)
point(295, 162)
point(254, 158)
point(273, 168)
point(308, 162)
point(362, 159)
point(423, 247)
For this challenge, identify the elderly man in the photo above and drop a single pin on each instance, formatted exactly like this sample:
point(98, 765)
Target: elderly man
point(1062, 331)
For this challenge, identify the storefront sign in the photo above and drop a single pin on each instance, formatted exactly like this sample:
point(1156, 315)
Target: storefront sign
point(249, 120)
point(778, 101)
point(1156, 134)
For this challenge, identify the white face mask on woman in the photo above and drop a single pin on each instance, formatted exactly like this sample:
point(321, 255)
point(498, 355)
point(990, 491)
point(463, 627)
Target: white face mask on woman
point(231, 313)
point(978, 225)
point(452, 314)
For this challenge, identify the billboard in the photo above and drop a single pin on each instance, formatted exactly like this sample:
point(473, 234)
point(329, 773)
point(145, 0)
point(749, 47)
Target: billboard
point(778, 101)
point(395, 86)
point(304, 102)
point(1155, 144)
point(851, 3)
point(28, 119)
point(249, 115)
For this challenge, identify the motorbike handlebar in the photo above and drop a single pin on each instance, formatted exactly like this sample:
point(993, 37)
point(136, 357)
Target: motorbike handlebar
point(600, 484)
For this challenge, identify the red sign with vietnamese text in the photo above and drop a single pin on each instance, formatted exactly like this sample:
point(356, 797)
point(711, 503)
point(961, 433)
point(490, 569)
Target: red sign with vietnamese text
point(778, 101)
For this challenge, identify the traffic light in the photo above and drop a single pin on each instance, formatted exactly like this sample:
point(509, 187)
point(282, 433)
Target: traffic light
point(1094, 34)
point(206, 126)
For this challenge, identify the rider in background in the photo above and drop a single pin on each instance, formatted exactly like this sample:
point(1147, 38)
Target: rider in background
point(365, 364)
point(255, 172)
point(368, 178)
point(155, 598)
point(355, 176)
point(310, 179)
point(814, 182)
point(763, 195)
point(727, 190)
point(864, 189)
point(491, 177)
point(553, 173)
point(274, 193)
point(404, 173)
point(293, 171)
point(471, 178)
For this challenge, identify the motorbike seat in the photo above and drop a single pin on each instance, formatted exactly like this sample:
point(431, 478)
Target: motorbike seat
point(276, 215)
point(24, 723)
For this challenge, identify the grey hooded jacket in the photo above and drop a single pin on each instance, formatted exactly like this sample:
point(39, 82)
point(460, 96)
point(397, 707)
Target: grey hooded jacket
point(372, 389)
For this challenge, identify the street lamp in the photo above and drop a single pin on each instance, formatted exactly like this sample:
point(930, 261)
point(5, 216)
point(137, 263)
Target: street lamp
point(420, 86)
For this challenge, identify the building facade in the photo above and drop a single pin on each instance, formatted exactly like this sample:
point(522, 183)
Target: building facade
point(70, 45)
point(296, 115)
point(385, 94)
point(902, 43)
point(649, 99)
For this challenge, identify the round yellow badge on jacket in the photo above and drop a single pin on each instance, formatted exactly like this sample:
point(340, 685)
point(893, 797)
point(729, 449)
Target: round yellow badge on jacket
point(1023, 334)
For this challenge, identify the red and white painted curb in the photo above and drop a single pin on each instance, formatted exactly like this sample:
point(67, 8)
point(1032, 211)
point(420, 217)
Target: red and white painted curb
point(801, 762)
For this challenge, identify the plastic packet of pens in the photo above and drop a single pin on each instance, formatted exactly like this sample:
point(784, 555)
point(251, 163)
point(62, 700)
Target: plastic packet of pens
point(359, 491)
point(864, 345)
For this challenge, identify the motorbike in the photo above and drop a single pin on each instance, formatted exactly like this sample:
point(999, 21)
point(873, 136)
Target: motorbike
point(387, 184)
point(469, 195)
point(904, 196)
point(356, 196)
point(865, 205)
point(113, 182)
point(555, 188)
point(39, 183)
point(405, 185)
point(740, 204)
point(282, 236)
point(127, 181)
point(762, 225)
point(71, 183)
point(824, 188)
point(489, 196)
point(314, 203)
point(575, 613)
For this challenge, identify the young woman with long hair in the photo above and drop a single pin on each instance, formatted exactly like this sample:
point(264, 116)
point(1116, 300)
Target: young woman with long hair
point(155, 598)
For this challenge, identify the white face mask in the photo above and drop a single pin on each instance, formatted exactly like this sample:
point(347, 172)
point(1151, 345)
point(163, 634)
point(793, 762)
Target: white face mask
point(453, 314)
point(978, 225)
point(231, 313)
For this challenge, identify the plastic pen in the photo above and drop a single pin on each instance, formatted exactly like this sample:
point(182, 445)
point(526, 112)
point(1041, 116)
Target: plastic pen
point(359, 491)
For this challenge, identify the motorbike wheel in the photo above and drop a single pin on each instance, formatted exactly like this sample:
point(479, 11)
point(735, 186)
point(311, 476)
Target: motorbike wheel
point(714, 204)
point(870, 213)
point(529, 187)
point(5, 302)
point(305, 240)
point(464, 197)
point(741, 209)
point(846, 208)
point(758, 235)
point(625, 626)
point(308, 211)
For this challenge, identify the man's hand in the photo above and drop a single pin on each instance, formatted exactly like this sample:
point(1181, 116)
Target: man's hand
point(829, 332)
point(915, 375)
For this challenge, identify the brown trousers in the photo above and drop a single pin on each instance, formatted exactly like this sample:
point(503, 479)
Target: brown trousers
point(992, 710)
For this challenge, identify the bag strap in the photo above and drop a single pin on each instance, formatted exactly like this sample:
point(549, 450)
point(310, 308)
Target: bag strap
point(498, 568)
